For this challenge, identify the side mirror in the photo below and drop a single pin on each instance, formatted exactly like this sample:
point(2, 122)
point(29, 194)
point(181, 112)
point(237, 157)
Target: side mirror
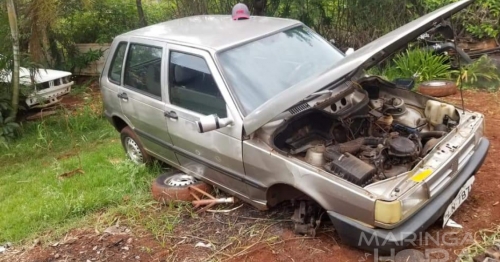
point(212, 122)
point(349, 51)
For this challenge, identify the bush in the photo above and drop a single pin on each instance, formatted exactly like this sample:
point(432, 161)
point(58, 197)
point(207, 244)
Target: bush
point(422, 65)
point(480, 20)
point(98, 22)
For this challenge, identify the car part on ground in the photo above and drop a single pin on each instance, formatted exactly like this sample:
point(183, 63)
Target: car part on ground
point(175, 186)
point(307, 217)
point(438, 88)
point(408, 83)
point(207, 203)
point(491, 254)
point(133, 147)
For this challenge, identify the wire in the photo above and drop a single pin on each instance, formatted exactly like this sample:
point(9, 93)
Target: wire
point(457, 56)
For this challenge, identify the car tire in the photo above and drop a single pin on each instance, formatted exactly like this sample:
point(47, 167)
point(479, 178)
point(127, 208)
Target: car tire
point(174, 186)
point(438, 88)
point(133, 147)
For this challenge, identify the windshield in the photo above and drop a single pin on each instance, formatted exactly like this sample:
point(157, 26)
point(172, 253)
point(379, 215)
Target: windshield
point(262, 69)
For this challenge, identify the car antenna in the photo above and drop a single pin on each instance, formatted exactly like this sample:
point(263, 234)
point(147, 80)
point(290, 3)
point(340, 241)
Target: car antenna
point(457, 56)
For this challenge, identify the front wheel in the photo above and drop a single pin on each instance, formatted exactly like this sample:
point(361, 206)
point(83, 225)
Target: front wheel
point(133, 147)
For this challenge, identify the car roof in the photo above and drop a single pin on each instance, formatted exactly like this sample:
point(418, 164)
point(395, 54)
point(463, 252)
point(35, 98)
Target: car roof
point(215, 32)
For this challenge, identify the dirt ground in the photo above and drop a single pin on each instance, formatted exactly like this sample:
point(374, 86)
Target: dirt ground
point(250, 235)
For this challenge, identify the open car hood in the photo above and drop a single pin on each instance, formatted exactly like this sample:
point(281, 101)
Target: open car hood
point(364, 58)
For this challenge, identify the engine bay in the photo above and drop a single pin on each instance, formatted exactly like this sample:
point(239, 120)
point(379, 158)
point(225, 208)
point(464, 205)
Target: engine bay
point(368, 133)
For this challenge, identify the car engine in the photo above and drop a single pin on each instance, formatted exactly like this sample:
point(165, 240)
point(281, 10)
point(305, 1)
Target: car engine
point(364, 137)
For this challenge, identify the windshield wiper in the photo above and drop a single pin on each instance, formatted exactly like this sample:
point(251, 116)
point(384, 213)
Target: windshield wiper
point(324, 92)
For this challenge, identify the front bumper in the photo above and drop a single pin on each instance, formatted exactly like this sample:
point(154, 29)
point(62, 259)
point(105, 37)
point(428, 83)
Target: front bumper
point(384, 240)
point(48, 97)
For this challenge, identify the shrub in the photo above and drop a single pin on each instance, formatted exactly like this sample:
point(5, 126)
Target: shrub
point(419, 64)
point(482, 74)
point(422, 65)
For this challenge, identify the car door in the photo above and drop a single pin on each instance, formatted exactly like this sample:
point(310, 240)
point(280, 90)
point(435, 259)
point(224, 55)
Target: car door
point(194, 92)
point(142, 95)
point(111, 79)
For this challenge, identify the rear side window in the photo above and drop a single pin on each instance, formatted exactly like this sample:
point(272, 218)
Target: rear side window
point(115, 71)
point(193, 87)
point(143, 69)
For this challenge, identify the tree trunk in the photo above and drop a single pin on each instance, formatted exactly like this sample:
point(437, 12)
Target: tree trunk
point(259, 7)
point(15, 51)
point(140, 11)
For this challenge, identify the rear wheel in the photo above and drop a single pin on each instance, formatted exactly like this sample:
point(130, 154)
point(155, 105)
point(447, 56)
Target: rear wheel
point(133, 147)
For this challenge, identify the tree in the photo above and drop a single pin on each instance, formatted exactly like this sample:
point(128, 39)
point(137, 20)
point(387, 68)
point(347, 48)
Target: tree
point(259, 7)
point(140, 11)
point(11, 10)
point(39, 16)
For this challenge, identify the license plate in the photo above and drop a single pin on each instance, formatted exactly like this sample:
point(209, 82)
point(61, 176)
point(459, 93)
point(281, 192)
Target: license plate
point(459, 199)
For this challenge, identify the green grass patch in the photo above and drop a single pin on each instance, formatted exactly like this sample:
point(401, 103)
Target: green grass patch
point(35, 198)
point(484, 239)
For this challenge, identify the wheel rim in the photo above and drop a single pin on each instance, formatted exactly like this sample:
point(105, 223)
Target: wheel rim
point(180, 180)
point(133, 151)
point(437, 83)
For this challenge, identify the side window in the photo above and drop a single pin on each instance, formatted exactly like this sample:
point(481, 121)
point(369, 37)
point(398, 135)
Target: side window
point(143, 69)
point(115, 70)
point(193, 87)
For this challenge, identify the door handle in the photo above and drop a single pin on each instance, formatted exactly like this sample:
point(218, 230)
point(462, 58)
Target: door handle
point(171, 115)
point(123, 96)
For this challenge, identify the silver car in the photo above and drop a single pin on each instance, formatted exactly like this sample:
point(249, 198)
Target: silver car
point(268, 111)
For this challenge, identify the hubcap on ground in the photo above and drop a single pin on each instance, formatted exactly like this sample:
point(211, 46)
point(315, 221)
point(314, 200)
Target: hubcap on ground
point(180, 180)
point(133, 151)
point(436, 83)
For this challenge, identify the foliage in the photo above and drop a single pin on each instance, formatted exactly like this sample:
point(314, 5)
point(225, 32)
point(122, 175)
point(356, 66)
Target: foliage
point(8, 126)
point(81, 60)
point(482, 20)
point(422, 65)
point(97, 22)
point(5, 43)
point(482, 74)
point(352, 23)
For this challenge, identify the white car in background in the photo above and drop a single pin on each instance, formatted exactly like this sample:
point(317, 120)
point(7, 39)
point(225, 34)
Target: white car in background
point(49, 86)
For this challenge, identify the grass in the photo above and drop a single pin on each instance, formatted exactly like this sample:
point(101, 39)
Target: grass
point(35, 198)
point(485, 238)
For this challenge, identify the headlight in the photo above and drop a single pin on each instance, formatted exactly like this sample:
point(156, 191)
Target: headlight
point(388, 212)
point(414, 200)
point(395, 211)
